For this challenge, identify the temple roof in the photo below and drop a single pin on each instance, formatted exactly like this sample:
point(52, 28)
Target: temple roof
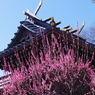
point(32, 26)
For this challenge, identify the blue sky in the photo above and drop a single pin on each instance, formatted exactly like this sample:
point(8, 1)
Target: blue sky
point(68, 11)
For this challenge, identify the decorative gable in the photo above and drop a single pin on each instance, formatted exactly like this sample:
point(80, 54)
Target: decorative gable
point(30, 27)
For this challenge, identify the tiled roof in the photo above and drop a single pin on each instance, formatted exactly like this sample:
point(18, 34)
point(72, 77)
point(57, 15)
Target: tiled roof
point(33, 24)
point(4, 80)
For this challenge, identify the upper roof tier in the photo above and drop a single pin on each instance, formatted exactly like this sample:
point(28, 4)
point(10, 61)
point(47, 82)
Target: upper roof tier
point(32, 26)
